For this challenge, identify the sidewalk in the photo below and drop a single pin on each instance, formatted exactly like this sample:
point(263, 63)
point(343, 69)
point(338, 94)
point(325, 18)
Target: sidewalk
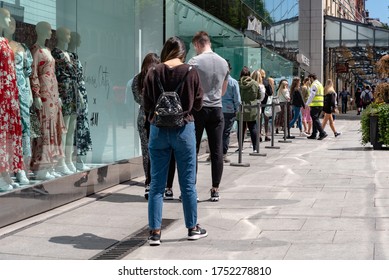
point(307, 200)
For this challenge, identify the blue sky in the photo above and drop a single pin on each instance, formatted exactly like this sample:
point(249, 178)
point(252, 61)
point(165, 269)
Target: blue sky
point(378, 9)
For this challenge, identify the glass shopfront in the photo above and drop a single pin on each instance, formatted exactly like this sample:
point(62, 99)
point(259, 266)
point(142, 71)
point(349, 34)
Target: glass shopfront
point(77, 117)
point(83, 114)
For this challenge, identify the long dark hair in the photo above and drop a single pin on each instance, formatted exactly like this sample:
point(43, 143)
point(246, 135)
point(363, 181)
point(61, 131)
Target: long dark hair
point(245, 72)
point(150, 60)
point(174, 47)
point(294, 85)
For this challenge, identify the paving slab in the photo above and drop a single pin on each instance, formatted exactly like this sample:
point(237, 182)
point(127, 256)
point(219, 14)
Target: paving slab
point(308, 200)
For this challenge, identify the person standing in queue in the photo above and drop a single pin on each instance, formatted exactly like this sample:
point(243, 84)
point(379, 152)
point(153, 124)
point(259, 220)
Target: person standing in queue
point(173, 76)
point(213, 72)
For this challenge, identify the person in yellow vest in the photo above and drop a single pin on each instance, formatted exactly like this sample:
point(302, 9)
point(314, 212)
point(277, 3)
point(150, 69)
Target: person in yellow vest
point(315, 102)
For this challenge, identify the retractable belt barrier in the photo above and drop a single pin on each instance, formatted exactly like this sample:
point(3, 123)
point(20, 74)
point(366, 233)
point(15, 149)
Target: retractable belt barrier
point(259, 121)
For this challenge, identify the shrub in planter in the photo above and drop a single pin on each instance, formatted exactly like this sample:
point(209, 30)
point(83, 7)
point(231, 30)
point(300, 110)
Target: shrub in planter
point(380, 110)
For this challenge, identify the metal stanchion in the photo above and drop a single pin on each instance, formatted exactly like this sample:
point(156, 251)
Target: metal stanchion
point(259, 119)
point(286, 125)
point(272, 128)
point(240, 144)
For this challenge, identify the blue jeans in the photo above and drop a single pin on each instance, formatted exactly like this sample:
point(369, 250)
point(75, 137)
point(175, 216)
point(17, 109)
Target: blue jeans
point(229, 119)
point(182, 141)
point(296, 117)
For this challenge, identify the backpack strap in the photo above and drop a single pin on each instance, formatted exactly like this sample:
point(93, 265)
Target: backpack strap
point(183, 79)
point(159, 82)
point(179, 85)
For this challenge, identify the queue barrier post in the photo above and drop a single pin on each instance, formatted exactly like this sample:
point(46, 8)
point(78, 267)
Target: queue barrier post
point(240, 144)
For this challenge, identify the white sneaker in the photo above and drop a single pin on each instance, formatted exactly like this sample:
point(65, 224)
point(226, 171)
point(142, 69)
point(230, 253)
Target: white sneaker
point(303, 134)
point(44, 175)
point(81, 166)
point(22, 178)
point(4, 186)
point(63, 170)
point(55, 173)
point(71, 167)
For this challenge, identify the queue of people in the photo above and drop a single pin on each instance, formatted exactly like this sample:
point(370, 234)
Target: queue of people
point(202, 95)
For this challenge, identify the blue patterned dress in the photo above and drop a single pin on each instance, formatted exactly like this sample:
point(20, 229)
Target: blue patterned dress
point(23, 62)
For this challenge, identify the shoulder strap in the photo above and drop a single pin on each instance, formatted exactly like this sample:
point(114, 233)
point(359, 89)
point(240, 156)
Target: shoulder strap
point(183, 79)
point(179, 85)
point(159, 82)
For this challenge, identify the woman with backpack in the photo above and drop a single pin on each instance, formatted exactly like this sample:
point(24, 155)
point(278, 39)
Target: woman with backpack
point(250, 95)
point(366, 97)
point(170, 79)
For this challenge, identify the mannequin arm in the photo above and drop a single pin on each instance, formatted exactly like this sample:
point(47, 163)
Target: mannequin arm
point(81, 98)
point(31, 99)
point(38, 103)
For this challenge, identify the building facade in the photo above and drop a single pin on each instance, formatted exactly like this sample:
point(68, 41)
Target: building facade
point(289, 38)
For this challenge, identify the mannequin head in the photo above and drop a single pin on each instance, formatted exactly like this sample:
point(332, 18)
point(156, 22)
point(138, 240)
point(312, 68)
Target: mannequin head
point(75, 40)
point(8, 32)
point(43, 30)
point(63, 35)
point(5, 18)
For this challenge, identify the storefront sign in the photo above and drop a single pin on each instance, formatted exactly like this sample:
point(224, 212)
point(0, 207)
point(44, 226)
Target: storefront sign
point(302, 59)
point(341, 67)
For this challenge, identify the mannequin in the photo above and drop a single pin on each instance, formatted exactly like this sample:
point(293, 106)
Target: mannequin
point(46, 149)
point(11, 158)
point(66, 73)
point(23, 62)
point(82, 136)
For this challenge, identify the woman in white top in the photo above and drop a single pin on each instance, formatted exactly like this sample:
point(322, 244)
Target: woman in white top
point(283, 96)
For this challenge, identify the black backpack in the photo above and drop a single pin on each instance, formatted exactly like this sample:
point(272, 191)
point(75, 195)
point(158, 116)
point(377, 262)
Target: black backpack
point(168, 109)
point(366, 97)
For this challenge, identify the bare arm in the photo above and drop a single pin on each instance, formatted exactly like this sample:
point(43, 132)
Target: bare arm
point(224, 87)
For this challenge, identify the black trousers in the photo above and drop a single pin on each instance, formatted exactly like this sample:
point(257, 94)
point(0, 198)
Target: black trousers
point(212, 120)
point(316, 124)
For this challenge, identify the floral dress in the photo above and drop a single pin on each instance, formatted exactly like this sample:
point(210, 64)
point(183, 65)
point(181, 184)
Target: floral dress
point(66, 73)
point(11, 158)
point(23, 62)
point(46, 149)
point(143, 127)
point(82, 136)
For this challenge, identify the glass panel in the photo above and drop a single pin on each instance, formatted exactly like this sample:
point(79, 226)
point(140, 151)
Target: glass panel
point(79, 65)
point(349, 34)
point(382, 38)
point(332, 33)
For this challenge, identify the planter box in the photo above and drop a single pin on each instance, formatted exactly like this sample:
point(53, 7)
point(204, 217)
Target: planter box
point(374, 133)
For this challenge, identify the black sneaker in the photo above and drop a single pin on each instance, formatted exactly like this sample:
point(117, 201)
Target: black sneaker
point(154, 238)
point(168, 194)
point(337, 134)
point(311, 137)
point(321, 137)
point(197, 233)
point(214, 195)
point(147, 190)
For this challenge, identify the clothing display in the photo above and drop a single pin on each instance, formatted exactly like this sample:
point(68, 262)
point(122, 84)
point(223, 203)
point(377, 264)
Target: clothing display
point(46, 149)
point(66, 72)
point(11, 155)
point(254, 24)
point(23, 63)
point(82, 136)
